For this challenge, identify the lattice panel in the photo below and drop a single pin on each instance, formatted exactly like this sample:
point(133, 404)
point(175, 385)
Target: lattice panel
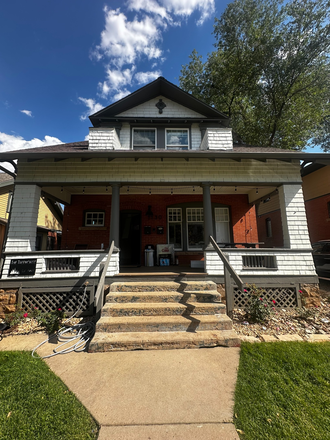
point(284, 296)
point(48, 301)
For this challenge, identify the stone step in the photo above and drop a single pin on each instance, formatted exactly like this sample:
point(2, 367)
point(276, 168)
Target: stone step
point(164, 323)
point(162, 340)
point(162, 309)
point(163, 297)
point(145, 286)
point(197, 286)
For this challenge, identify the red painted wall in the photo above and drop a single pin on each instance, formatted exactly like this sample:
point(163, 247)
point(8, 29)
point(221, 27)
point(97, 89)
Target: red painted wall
point(243, 218)
point(318, 218)
point(277, 232)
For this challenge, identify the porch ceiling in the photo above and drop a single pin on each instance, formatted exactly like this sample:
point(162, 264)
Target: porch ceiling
point(253, 191)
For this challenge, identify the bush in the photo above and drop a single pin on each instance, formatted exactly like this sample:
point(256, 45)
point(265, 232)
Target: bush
point(51, 321)
point(15, 318)
point(258, 308)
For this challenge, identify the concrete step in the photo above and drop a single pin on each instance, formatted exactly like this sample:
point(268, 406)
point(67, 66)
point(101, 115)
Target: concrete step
point(163, 297)
point(162, 340)
point(145, 286)
point(162, 309)
point(164, 323)
point(198, 286)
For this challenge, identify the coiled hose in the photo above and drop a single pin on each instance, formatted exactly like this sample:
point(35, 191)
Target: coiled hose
point(74, 338)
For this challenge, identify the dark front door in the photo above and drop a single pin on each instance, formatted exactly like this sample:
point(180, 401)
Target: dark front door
point(130, 238)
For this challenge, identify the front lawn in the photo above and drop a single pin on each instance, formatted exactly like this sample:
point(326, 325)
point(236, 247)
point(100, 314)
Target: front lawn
point(35, 404)
point(283, 391)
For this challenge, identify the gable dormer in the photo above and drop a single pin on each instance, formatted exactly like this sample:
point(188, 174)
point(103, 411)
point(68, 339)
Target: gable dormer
point(159, 116)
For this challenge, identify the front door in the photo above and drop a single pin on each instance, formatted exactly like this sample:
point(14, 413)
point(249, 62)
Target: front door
point(130, 238)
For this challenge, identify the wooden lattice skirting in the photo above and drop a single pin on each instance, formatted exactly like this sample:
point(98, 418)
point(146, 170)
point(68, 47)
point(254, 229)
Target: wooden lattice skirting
point(285, 297)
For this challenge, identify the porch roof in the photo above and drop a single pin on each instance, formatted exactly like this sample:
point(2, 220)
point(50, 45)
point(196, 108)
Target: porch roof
point(239, 151)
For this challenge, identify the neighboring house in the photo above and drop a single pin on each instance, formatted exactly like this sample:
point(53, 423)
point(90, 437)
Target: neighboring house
point(316, 188)
point(160, 168)
point(49, 227)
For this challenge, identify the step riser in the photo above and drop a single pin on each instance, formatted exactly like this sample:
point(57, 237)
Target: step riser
point(163, 311)
point(190, 325)
point(165, 298)
point(146, 345)
point(145, 287)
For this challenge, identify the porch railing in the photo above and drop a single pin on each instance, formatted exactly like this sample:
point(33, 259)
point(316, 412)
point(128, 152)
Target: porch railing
point(98, 299)
point(229, 274)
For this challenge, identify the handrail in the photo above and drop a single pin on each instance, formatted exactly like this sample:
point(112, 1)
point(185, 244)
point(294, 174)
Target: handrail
point(229, 271)
point(98, 299)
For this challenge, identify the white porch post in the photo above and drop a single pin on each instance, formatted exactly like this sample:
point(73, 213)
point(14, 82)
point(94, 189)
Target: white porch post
point(23, 220)
point(293, 214)
point(115, 214)
point(207, 209)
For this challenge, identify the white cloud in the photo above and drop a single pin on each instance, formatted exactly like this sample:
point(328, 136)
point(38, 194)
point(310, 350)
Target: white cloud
point(186, 7)
point(27, 112)
point(9, 142)
point(121, 94)
point(116, 79)
point(123, 41)
point(146, 77)
point(92, 106)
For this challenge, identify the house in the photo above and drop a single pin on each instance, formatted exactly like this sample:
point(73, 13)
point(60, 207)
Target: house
point(158, 176)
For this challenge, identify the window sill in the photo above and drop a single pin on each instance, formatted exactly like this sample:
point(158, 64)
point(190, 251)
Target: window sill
point(94, 228)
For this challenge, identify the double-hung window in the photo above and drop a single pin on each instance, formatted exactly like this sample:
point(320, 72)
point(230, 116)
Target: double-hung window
point(195, 228)
point(144, 138)
point(174, 217)
point(176, 139)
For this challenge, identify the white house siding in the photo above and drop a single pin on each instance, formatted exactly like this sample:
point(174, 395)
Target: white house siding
point(288, 263)
point(149, 109)
point(217, 139)
point(196, 137)
point(154, 170)
point(89, 265)
point(125, 136)
point(103, 139)
point(293, 214)
point(24, 216)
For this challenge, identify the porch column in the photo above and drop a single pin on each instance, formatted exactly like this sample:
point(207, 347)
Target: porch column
point(293, 215)
point(22, 229)
point(207, 208)
point(115, 214)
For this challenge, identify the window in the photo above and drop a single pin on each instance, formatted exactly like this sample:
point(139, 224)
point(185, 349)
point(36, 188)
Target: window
point(195, 228)
point(177, 139)
point(222, 229)
point(269, 232)
point(94, 218)
point(174, 218)
point(144, 138)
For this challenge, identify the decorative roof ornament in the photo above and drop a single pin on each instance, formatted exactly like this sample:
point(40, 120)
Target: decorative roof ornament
point(160, 105)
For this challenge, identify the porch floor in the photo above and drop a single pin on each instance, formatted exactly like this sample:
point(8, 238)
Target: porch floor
point(160, 271)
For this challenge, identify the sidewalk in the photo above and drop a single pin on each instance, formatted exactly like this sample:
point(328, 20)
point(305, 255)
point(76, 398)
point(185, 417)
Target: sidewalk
point(165, 394)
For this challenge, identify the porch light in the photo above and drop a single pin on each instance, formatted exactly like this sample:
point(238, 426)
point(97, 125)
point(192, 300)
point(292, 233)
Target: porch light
point(171, 191)
point(149, 191)
point(61, 189)
point(257, 191)
point(235, 188)
point(83, 190)
point(106, 189)
point(193, 189)
point(128, 189)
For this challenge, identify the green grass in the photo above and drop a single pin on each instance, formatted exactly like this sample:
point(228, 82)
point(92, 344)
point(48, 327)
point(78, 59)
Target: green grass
point(35, 404)
point(283, 391)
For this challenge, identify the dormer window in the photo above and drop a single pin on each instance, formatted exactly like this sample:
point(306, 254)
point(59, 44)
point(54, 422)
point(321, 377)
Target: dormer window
point(144, 138)
point(177, 139)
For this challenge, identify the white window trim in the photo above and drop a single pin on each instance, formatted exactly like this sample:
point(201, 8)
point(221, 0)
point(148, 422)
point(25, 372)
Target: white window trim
point(94, 212)
point(177, 146)
point(144, 128)
point(168, 227)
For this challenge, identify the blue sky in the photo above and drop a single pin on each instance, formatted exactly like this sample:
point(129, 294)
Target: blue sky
point(62, 61)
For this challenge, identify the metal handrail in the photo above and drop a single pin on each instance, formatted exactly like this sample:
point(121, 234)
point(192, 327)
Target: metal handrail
point(98, 299)
point(229, 271)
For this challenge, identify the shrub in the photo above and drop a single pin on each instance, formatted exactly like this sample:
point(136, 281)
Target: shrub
point(51, 321)
point(258, 308)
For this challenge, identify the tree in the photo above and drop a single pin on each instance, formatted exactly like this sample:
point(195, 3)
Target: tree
point(270, 71)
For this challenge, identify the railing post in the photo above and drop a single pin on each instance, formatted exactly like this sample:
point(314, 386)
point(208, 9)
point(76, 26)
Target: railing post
point(228, 291)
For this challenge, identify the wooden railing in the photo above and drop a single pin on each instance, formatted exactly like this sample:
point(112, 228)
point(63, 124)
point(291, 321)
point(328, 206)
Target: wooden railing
point(229, 273)
point(98, 299)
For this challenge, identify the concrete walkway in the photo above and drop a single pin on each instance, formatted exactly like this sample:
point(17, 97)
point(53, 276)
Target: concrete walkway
point(165, 394)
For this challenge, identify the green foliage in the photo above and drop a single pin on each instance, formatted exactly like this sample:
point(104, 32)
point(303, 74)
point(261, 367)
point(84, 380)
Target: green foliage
point(35, 404)
point(14, 318)
point(282, 391)
point(270, 71)
point(51, 321)
point(258, 308)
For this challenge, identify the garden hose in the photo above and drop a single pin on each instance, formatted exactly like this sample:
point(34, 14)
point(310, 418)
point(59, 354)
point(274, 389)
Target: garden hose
point(73, 338)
